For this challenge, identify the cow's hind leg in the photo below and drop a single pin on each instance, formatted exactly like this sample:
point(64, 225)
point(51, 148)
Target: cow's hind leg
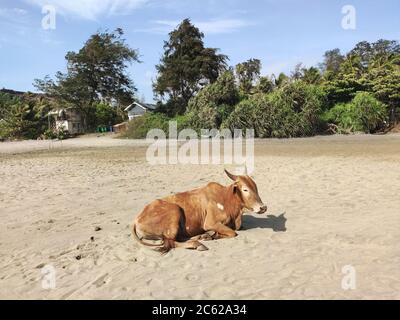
point(192, 245)
point(164, 221)
point(169, 244)
point(208, 236)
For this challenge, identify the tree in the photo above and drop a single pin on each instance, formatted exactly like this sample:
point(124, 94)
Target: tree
point(369, 67)
point(311, 75)
point(248, 73)
point(384, 81)
point(6, 102)
point(371, 52)
point(186, 66)
point(297, 73)
point(23, 117)
point(105, 114)
point(332, 61)
point(97, 72)
point(343, 86)
point(281, 79)
point(264, 85)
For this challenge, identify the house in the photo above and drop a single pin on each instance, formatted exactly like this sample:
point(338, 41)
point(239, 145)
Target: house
point(68, 119)
point(138, 109)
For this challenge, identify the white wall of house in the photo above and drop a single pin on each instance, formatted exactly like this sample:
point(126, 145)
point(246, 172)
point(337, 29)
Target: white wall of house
point(70, 126)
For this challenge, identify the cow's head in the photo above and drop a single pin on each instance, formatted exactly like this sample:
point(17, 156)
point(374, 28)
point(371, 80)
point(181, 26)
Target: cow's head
point(247, 190)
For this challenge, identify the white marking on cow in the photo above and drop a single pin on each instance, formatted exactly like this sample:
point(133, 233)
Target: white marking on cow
point(220, 206)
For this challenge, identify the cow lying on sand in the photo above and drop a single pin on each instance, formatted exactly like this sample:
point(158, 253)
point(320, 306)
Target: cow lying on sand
point(208, 213)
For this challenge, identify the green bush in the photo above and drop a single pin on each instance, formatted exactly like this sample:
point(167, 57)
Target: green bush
point(371, 113)
point(62, 134)
point(4, 130)
point(23, 117)
point(363, 114)
point(138, 127)
point(105, 114)
point(49, 134)
point(183, 122)
point(213, 104)
point(291, 111)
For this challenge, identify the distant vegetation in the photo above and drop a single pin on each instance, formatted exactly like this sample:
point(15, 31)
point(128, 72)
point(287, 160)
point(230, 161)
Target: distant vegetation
point(23, 117)
point(96, 83)
point(354, 92)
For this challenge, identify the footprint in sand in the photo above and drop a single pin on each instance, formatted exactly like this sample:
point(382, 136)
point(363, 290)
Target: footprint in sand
point(192, 277)
point(101, 281)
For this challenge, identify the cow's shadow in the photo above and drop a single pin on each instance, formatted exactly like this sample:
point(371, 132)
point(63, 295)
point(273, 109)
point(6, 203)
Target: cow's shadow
point(276, 223)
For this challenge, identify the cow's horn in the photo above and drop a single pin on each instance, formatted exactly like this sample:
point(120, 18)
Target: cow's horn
point(231, 176)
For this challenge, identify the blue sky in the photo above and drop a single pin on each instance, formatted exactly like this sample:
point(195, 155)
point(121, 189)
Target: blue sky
point(281, 33)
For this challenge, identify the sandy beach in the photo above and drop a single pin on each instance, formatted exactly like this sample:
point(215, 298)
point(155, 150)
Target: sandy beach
point(333, 202)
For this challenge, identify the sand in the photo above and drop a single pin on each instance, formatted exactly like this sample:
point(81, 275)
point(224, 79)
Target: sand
point(339, 196)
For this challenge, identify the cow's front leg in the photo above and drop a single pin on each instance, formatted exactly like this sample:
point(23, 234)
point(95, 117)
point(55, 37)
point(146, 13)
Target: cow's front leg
point(221, 231)
point(238, 222)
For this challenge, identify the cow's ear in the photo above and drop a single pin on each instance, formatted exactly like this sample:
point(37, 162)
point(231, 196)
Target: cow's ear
point(235, 188)
point(231, 176)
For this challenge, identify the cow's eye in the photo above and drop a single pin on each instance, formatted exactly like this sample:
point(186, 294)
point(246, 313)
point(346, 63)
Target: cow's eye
point(245, 190)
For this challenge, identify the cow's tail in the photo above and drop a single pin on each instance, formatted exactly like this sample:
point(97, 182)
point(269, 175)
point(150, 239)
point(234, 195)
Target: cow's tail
point(164, 247)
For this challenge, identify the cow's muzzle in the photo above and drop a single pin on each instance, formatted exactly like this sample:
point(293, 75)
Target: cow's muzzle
point(263, 209)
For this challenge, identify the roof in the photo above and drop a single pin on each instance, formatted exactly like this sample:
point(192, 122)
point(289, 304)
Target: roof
point(146, 106)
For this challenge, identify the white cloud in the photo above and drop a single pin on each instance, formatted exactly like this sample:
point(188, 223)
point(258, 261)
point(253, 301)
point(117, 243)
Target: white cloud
point(90, 9)
point(13, 14)
point(216, 26)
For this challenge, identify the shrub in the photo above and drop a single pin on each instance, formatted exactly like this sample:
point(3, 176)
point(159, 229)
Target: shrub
point(371, 113)
point(183, 122)
point(213, 104)
point(22, 118)
point(138, 127)
point(291, 111)
point(4, 130)
point(62, 134)
point(364, 113)
point(247, 115)
point(50, 134)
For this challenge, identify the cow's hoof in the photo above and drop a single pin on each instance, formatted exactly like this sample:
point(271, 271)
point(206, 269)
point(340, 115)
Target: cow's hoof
point(202, 248)
point(206, 237)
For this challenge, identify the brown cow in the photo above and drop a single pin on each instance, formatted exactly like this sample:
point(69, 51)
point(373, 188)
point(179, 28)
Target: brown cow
point(211, 212)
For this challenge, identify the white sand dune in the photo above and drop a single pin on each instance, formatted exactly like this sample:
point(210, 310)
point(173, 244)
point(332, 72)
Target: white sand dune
point(340, 196)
